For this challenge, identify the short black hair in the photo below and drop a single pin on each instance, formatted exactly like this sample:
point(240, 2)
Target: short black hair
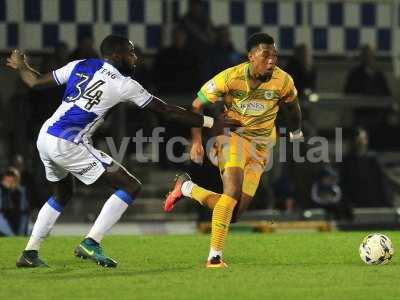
point(259, 38)
point(113, 44)
point(11, 172)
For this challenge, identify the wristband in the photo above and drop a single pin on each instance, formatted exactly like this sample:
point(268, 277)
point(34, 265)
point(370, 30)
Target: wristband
point(208, 121)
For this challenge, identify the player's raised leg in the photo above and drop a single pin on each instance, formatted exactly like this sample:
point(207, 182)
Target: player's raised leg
point(127, 188)
point(183, 186)
point(48, 215)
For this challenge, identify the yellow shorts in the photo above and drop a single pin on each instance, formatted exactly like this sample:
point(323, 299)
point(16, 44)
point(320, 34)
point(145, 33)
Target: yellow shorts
point(235, 151)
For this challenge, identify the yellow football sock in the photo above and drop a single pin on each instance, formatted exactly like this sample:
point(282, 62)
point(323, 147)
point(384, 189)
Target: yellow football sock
point(205, 197)
point(221, 219)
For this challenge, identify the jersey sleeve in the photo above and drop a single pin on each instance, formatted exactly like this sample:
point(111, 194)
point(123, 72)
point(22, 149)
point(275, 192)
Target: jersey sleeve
point(61, 75)
point(214, 89)
point(132, 91)
point(289, 91)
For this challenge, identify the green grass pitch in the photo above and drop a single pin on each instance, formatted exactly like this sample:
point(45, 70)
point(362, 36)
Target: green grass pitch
point(261, 266)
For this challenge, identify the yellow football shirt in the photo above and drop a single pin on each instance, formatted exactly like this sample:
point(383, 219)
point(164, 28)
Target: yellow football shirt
point(255, 108)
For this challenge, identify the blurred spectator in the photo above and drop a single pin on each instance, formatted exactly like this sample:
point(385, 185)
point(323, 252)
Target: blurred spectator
point(223, 54)
point(389, 123)
point(299, 173)
point(284, 192)
point(301, 68)
point(27, 182)
point(364, 183)
point(366, 78)
point(85, 48)
point(142, 73)
point(14, 216)
point(175, 67)
point(327, 194)
point(58, 59)
point(198, 26)
point(200, 34)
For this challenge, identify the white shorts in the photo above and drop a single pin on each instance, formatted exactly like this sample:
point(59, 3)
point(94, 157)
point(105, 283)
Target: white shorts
point(61, 157)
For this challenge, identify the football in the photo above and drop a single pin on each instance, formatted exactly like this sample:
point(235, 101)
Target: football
point(376, 249)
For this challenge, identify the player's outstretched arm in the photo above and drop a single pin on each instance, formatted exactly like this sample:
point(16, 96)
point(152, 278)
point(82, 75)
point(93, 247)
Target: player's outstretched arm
point(180, 115)
point(18, 61)
point(293, 116)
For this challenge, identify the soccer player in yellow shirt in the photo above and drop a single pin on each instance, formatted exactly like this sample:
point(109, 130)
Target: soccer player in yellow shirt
point(252, 92)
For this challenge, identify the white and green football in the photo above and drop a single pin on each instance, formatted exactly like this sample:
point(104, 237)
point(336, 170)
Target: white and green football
point(376, 249)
